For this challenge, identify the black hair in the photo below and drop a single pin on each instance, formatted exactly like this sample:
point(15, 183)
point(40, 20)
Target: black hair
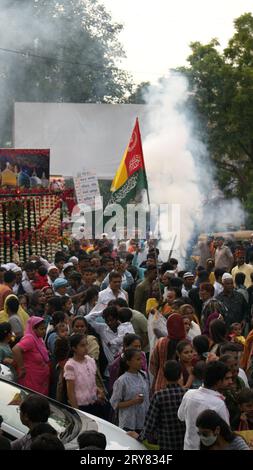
point(209, 419)
point(29, 266)
point(75, 276)
point(225, 358)
point(177, 291)
point(215, 371)
point(9, 277)
point(57, 317)
point(5, 330)
point(79, 317)
point(218, 331)
point(90, 294)
point(129, 257)
point(129, 338)
point(203, 276)
point(55, 303)
point(125, 315)
point(218, 273)
point(105, 260)
point(240, 279)
point(182, 344)
point(42, 428)
point(199, 370)
point(200, 344)
point(101, 270)
point(166, 267)
point(110, 312)
point(74, 341)
point(245, 396)
point(119, 302)
point(59, 257)
point(103, 250)
point(125, 358)
point(173, 261)
point(36, 408)
point(42, 271)
point(176, 282)
point(172, 370)
point(61, 349)
point(134, 271)
point(114, 275)
point(47, 442)
point(83, 256)
point(230, 347)
point(89, 270)
point(91, 438)
point(64, 300)
point(12, 304)
point(2, 270)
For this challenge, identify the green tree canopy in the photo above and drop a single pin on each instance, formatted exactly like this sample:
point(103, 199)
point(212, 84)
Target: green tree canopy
point(222, 94)
point(58, 51)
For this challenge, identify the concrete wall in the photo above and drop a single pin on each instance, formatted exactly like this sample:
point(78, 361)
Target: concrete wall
point(90, 136)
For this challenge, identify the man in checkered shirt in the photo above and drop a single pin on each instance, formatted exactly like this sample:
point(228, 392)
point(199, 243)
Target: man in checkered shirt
point(162, 421)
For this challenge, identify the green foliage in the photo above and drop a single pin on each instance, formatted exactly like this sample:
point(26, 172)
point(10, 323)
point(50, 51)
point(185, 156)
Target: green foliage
point(71, 50)
point(222, 93)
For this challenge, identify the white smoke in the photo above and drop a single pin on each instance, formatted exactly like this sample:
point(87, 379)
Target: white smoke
point(178, 166)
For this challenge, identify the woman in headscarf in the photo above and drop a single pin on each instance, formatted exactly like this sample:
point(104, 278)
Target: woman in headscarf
point(23, 316)
point(32, 358)
point(165, 350)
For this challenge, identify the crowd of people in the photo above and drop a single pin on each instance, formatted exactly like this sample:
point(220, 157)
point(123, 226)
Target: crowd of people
point(163, 353)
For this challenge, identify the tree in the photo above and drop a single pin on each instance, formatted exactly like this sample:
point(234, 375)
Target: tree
point(58, 51)
point(222, 86)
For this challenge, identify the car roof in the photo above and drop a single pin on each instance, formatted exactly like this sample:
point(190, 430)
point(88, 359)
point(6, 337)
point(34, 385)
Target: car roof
point(116, 438)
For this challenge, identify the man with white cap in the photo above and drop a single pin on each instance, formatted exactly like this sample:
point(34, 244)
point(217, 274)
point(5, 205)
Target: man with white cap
point(18, 288)
point(68, 268)
point(188, 279)
point(236, 308)
point(52, 274)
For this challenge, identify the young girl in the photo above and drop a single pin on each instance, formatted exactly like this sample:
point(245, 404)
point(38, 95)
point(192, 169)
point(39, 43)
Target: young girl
point(6, 356)
point(130, 341)
point(80, 376)
point(80, 326)
point(131, 392)
point(185, 356)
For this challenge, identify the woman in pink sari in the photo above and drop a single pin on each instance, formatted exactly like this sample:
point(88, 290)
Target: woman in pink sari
point(32, 358)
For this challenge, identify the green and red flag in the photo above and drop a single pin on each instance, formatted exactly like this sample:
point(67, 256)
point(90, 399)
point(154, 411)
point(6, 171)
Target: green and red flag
point(130, 179)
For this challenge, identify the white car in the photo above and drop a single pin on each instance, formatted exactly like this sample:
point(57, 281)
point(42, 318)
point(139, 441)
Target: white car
point(68, 422)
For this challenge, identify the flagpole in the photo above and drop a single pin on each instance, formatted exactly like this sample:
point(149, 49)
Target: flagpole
point(149, 206)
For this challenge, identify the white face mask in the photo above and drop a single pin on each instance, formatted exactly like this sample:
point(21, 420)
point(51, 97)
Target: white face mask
point(208, 441)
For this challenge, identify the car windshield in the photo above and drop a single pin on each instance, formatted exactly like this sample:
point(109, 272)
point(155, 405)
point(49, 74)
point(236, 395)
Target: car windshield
point(66, 421)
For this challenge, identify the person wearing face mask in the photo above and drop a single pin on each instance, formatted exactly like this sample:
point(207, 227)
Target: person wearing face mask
point(215, 434)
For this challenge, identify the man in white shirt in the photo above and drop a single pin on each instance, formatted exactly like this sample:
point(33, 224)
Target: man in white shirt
point(112, 292)
point(107, 330)
point(217, 377)
point(188, 283)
